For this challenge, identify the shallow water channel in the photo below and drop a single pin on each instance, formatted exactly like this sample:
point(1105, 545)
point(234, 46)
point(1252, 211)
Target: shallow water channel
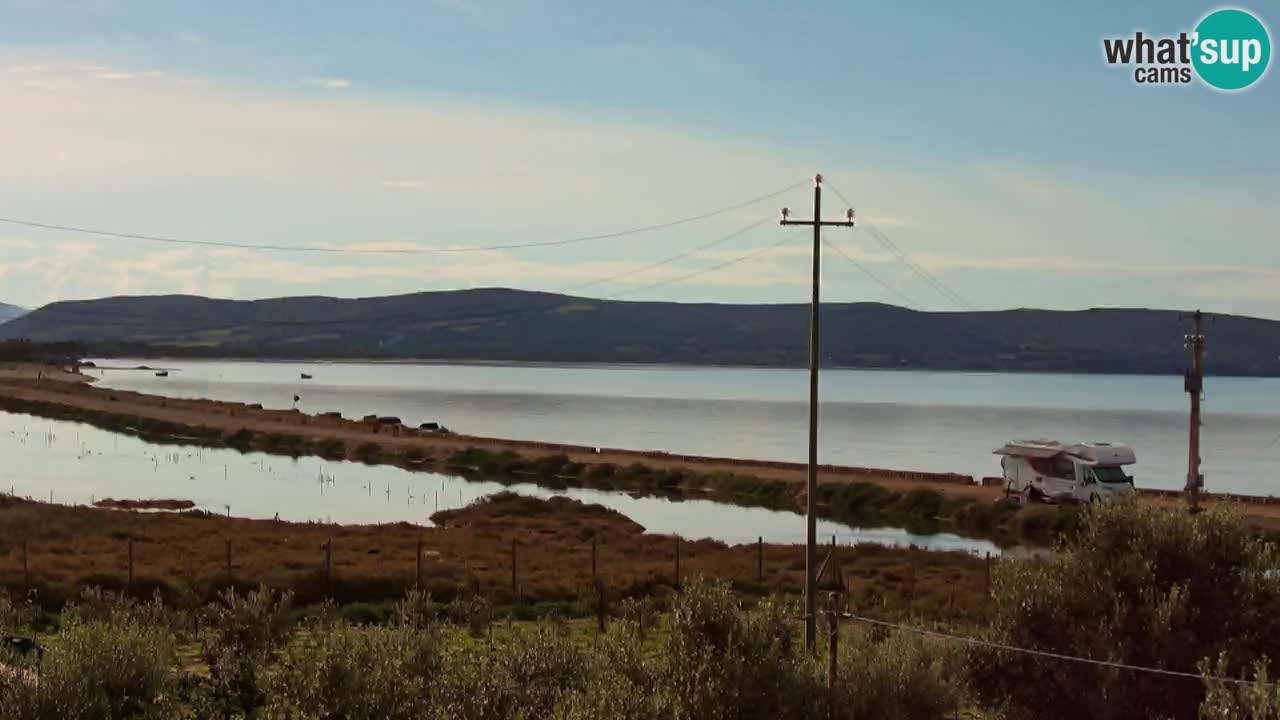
point(77, 464)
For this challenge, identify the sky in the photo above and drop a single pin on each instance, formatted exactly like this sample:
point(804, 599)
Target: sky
point(990, 142)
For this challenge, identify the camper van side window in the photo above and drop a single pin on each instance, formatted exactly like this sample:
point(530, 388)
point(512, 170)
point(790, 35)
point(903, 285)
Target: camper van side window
point(1063, 468)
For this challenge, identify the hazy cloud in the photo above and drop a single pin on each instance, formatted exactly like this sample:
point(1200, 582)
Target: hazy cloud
point(330, 83)
point(168, 156)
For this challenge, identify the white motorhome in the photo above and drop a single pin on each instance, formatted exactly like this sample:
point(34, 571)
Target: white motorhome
point(1057, 472)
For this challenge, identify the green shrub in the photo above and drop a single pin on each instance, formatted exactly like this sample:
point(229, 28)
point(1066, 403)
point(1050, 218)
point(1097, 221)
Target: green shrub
point(897, 677)
point(368, 452)
point(528, 677)
point(1139, 585)
point(98, 669)
point(240, 439)
point(98, 605)
point(238, 636)
point(332, 448)
point(619, 688)
point(717, 661)
point(416, 610)
point(355, 673)
point(602, 471)
point(1257, 700)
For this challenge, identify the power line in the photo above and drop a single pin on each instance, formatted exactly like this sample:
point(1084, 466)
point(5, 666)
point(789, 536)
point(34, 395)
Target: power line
point(400, 251)
point(867, 271)
point(932, 280)
point(704, 271)
point(514, 312)
point(667, 261)
point(1045, 654)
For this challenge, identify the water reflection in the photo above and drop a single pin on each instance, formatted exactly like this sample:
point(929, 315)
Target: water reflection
point(79, 464)
point(934, 421)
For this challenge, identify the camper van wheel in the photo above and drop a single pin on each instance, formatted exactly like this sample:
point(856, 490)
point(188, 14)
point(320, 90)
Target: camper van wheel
point(1027, 495)
point(1095, 500)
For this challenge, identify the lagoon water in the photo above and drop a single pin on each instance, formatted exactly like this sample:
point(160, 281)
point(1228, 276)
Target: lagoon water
point(73, 463)
point(934, 421)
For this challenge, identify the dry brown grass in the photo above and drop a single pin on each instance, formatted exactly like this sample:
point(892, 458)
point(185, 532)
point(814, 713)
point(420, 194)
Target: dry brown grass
point(181, 554)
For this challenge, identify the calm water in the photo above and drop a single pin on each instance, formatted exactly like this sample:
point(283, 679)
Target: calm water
point(79, 464)
point(931, 421)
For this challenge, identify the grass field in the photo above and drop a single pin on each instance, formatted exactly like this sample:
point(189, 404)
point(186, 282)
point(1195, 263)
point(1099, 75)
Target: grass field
point(184, 556)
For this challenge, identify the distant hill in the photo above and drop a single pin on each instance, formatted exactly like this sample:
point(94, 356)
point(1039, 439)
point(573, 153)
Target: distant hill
point(512, 325)
point(9, 312)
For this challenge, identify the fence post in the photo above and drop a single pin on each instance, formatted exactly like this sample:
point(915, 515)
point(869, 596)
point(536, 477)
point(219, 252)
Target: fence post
point(760, 559)
point(130, 586)
point(988, 572)
point(833, 642)
point(911, 582)
point(602, 609)
point(328, 567)
point(26, 576)
point(515, 588)
point(594, 575)
point(417, 571)
point(228, 561)
point(677, 562)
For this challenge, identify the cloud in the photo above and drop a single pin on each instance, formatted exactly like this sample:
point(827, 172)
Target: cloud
point(198, 158)
point(1033, 187)
point(330, 83)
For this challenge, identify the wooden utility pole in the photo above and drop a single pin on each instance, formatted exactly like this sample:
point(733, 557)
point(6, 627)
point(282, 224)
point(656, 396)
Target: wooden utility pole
point(833, 646)
point(811, 485)
point(1194, 385)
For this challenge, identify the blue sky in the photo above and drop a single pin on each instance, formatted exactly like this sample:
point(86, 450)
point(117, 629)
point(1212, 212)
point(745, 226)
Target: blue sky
point(990, 141)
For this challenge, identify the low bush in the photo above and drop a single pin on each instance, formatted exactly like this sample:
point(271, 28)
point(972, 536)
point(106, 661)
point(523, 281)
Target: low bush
point(355, 673)
point(1139, 585)
point(112, 665)
point(368, 452)
point(528, 677)
point(240, 632)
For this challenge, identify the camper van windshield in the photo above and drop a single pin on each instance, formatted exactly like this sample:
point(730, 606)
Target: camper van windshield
point(1109, 474)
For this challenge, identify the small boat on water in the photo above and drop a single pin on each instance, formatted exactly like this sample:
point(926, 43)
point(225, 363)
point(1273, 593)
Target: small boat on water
point(162, 373)
point(306, 376)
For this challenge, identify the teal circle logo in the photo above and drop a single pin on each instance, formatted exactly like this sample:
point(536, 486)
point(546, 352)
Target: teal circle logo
point(1231, 49)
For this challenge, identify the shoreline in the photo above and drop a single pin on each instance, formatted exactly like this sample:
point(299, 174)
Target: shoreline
point(229, 417)
point(846, 489)
point(482, 362)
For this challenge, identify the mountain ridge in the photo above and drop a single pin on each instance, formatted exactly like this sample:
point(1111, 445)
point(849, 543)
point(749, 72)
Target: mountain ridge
point(507, 325)
point(9, 312)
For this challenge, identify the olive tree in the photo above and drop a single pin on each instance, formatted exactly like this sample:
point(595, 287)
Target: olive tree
point(1140, 585)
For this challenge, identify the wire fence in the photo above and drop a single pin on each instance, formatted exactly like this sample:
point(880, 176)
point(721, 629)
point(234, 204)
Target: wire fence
point(359, 563)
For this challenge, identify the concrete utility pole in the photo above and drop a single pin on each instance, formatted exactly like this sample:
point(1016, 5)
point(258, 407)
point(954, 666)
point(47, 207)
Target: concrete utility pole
point(1194, 385)
point(811, 486)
